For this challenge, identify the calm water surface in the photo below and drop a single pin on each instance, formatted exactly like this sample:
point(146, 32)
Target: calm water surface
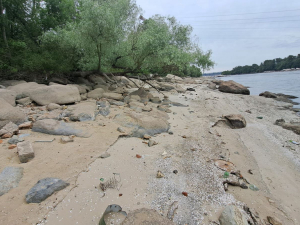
point(279, 82)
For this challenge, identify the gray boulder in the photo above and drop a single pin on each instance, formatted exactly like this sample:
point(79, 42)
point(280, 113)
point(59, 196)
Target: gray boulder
point(22, 88)
point(232, 215)
point(103, 107)
point(233, 87)
point(44, 188)
point(10, 178)
point(59, 94)
point(97, 79)
point(54, 127)
point(9, 96)
point(10, 114)
point(268, 94)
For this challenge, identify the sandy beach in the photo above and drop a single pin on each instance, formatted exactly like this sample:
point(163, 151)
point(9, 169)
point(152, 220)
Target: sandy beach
point(186, 157)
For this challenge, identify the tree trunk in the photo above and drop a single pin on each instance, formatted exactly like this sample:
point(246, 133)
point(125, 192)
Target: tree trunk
point(3, 27)
point(99, 57)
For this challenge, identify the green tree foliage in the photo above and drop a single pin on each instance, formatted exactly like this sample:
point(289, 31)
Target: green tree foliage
point(277, 64)
point(96, 35)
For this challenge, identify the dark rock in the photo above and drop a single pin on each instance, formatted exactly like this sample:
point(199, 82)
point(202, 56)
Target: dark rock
point(10, 178)
point(44, 188)
point(268, 94)
point(286, 96)
point(190, 89)
point(236, 121)
point(233, 87)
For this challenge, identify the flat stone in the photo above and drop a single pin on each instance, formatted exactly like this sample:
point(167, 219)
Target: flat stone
point(44, 188)
point(105, 155)
point(53, 106)
point(25, 151)
point(10, 129)
point(14, 140)
point(24, 101)
point(114, 96)
point(232, 216)
point(96, 94)
point(10, 178)
point(151, 143)
point(67, 139)
point(26, 125)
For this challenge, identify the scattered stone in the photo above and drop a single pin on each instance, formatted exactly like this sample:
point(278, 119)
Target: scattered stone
point(12, 146)
point(151, 143)
point(164, 108)
point(10, 178)
point(248, 111)
point(14, 140)
point(25, 151)
point(53, 106)
point(232, 215)
point(103, 107)
point(225, 165)
point(121, 130)
point(190, 89)
point(142, 94)
point(236, 121)
point(96, 94)
point(170, 132)
point(166, 87)
point(253, 187)
point(233, 87)
point(273, 220)
point(118, 103)
point(138, 156)
point(105, 155)
point(155, 100)
point(295, 127)
point(44, 188)
point(146, 216)
point(67, 139)
point(250, 171)
point(146, 136)
point(9, 130)
point(114, 96)
point(164, 153)
point(175, 171)
point(185, 193)
point(184, 136)
point(26, 125)
point(24, 101)
point(159, 174)
point(54, 127)
point(9, 114)
point(212, 86)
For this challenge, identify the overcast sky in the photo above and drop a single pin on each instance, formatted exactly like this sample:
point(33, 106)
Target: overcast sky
point(239, 32)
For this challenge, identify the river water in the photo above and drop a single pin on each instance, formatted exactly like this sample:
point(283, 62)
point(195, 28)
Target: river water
point(278, 82)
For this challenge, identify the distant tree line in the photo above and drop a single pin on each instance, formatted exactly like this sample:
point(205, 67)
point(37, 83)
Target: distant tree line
point(111, 37)
point(268, 65)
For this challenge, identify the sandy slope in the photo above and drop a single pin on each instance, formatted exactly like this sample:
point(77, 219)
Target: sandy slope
point(261, 147)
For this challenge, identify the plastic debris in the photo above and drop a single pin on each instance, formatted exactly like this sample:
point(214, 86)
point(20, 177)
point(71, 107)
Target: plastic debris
point(253, 187)
point(259, 117)
point(294, 142)
point(46, 140)
point(226, 175)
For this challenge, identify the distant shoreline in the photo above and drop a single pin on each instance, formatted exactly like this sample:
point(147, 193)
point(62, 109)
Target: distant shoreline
point(284, 70)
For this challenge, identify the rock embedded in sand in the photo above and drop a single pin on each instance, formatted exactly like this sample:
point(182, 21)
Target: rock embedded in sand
point(15, 139)
point(67, 139)
point(159, 174)
point(232, 215)
point(152, 143)
point(273, 220)
point(54, 127)
point(233, 87)
point(146, 216)
point(25, 151)
point(236, 121)
point(44, 188)
point(105, 155)
point(10, 178)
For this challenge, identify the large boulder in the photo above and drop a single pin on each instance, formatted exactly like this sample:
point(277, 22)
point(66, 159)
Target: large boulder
point(150, 123)
point(97, 79)
point(96, 94)
point(22, 88)
point(146, 216)
point(236, 121)
point(59, 94)
point(44, 188)
point(8, 83)
point(10, 114)
point(233, 87)
point(84, 111)
point(166, 87)
point(10, 178)
point(54, 127)
point(232, 215)
point(142, 94)
point(9, 96)
point(81, 88)
point(174, 77)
